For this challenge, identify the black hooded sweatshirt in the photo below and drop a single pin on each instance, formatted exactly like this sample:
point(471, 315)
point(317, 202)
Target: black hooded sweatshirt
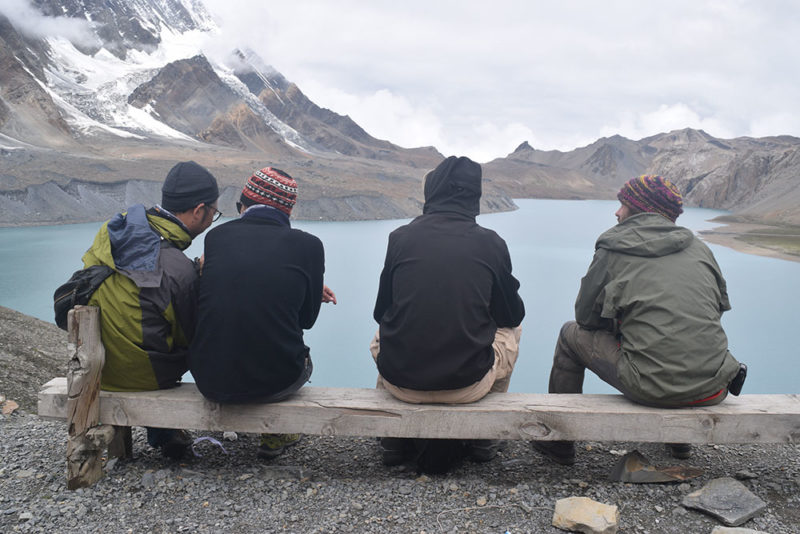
point(261, 286)
point(445, 288)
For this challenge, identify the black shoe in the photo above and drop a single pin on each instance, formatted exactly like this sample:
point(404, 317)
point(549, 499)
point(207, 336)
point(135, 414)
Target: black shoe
point(176, 445)
point(561, 452)
point(439, 456)
point(681, 451)
point(395, 451)
point(483, 450)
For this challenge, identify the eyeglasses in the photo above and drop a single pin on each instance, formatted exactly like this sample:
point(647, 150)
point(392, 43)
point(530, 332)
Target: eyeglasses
point(239, 207)
point(217, 213)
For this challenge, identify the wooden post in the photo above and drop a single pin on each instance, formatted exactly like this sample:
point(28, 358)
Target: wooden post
point(87, 440)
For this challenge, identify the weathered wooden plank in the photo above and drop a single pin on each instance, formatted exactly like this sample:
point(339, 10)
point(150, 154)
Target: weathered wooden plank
point(371, 412)
point(86, 441)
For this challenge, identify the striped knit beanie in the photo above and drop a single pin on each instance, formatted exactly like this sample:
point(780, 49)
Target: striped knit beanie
point(652, 194)
point(272, 187)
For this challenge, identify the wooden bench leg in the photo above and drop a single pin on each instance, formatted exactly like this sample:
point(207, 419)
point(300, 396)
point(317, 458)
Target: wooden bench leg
point(87, 440)
point(122, 444)
point(85, 456)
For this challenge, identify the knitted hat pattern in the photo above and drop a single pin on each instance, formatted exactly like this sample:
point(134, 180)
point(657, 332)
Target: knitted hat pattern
point(653, 194)
point(272, 187)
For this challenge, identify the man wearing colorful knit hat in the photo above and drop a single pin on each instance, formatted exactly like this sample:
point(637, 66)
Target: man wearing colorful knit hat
point(261, 287)
point(647, 316)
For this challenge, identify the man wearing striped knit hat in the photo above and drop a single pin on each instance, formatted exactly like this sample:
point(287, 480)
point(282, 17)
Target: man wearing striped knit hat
point(261, 286)
point(647, 316)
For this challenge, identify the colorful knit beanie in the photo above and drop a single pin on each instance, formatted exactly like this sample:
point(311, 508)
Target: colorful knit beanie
point(652, 194)
point(272, 187)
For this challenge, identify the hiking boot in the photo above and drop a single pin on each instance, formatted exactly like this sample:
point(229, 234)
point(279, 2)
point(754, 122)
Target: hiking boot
point(439, 456)
point(483, 450)
point(561, 452)
point(273, 445)
point(681, 451)
point(176, 445)
point(394, 451)
point(173, 443)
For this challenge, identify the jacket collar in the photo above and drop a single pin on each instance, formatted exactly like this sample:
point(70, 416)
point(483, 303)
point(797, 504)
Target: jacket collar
point(268, 213)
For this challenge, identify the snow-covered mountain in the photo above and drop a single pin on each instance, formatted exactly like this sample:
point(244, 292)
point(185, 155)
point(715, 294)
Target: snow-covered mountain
point(137, 69)
point(87, 56)
point(128, 83)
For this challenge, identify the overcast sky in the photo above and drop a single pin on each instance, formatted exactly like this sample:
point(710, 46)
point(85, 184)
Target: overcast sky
point(479, 77)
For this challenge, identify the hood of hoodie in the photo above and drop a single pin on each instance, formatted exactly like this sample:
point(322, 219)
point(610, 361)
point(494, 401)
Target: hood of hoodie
point(130, 243)
point(454, 186)
point(646, 234)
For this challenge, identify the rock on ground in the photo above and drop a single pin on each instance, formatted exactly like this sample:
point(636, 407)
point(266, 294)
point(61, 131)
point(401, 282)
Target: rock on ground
point(726, 499)
point(581, 514)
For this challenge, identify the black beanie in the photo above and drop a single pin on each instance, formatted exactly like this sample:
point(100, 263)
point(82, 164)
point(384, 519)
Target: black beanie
point(187, 185)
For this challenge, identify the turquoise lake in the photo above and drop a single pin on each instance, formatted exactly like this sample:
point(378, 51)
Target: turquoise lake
point(551, 244)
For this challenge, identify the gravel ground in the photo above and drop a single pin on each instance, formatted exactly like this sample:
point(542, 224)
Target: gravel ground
point(329, 484)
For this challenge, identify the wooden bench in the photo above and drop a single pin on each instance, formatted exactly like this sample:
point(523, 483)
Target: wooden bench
point(371, 412)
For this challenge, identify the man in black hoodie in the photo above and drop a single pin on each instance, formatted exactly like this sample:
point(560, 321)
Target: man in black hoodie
point(448, 306)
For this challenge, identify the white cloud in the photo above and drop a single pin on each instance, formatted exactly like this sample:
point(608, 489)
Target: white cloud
point(388, 116)
point(32, 23)
point(486, 141)
point(469, 77)
point(636, 125)
point(382, 114)
point(774, 124)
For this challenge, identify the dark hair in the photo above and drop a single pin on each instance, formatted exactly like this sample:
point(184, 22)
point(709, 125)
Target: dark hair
point(246, 202)
point(282, 173)
point(633, 209)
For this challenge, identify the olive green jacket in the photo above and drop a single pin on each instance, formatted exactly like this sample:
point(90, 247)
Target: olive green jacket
point(661, 289)
point(148, 306)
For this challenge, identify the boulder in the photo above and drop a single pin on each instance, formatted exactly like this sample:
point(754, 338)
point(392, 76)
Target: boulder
point(726, 499)
point(581, 514)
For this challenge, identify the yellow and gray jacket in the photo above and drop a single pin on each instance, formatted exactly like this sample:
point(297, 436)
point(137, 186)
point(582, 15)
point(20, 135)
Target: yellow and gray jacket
point(148, 306)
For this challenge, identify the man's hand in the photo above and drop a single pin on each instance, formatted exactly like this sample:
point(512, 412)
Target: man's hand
point(328, 294)
point(198, 263)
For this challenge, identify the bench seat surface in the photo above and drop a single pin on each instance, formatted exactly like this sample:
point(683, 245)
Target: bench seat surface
point(369, 412)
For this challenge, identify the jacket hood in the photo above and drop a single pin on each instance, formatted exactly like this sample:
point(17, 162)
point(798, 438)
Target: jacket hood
point(130, 243)
point(454, 186)
point(646, 234)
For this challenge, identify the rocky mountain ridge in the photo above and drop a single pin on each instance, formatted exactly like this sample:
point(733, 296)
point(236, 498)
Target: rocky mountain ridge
point(92, 119)
point(756, 179)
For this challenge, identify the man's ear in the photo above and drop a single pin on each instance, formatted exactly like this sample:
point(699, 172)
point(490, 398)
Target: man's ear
point(199, 211)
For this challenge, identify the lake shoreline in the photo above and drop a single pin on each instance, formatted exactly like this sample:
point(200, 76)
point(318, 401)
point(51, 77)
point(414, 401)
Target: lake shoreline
point(733, 234)
point(757, 239)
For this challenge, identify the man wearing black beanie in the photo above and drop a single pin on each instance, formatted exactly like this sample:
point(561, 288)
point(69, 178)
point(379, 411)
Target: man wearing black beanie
point(148, 305)
point(190, 193)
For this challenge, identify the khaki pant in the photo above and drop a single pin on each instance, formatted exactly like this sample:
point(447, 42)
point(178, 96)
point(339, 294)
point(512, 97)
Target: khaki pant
point(579, 349)
point(497, 379)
